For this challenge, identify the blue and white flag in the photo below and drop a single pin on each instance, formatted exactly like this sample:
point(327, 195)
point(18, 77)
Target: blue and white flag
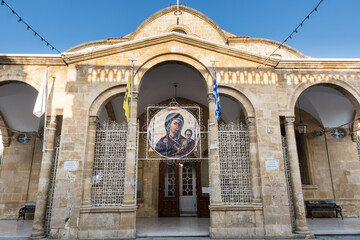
point(216, 98)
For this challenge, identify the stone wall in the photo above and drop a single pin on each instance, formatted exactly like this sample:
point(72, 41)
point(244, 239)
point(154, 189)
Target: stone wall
point(334, 176)
point(236, 221)
point(19, 176)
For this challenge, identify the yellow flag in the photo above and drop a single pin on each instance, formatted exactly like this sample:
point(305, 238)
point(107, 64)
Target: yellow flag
point(126, 104)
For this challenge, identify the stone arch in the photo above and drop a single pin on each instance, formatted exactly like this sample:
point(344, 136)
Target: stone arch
point(19, 76)
point(99, 102)
point(345, 88)
point(4, 129)
point(239, 98)
point(146, 66)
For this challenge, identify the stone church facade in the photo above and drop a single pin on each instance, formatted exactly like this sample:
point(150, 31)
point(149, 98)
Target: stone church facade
point(252, 170)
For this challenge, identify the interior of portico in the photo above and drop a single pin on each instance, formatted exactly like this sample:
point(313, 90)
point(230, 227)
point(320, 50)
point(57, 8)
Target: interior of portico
point(22, 147)
point(328, 158)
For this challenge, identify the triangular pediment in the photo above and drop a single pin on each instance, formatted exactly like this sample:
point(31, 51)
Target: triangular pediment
point(154, 41)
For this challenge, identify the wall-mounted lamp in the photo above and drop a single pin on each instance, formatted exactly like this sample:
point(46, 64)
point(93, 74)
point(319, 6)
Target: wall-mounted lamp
point(318, 133)
point(301, 127)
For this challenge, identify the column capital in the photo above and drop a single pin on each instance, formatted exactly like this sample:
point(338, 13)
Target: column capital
point(50, 119)
point(210, 98)
point(135, 96)
point(93, 120)
point(289, 120)
point(6, 141)
point(251, 121)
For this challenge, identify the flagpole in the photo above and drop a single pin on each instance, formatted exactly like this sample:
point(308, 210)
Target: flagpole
point(131, 96)
point(215, 118)
point(214, 73)
point(45, 120)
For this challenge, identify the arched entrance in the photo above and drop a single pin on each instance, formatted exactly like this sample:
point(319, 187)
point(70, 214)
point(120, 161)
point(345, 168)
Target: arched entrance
point(172, 180)
point(179, 186)
point(326, 123)
point(21, 135)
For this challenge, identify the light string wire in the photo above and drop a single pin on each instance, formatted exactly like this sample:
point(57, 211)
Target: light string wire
point(30, 28)
point(293, 32)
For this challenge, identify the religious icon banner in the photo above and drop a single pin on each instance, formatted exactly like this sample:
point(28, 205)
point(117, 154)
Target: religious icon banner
point(173, 133)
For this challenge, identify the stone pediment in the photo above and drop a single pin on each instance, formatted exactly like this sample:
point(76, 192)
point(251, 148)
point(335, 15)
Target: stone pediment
point(173, 37)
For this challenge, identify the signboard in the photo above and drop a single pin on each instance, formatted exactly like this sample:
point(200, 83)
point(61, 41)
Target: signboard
point(173, 133)
point(272, 164)
point(71, 165)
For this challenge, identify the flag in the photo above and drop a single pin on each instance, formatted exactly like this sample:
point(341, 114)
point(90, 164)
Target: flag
point(40, 104)
point(216, 98)
point(127, 98)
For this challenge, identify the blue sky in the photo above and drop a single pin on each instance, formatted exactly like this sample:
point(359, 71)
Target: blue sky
point(332, 32)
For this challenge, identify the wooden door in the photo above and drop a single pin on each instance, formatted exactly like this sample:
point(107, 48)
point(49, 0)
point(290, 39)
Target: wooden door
point(203, 202)
point(169, 190)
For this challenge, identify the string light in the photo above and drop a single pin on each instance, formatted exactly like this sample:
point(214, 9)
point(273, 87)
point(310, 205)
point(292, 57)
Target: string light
point(295, 31)
point(30, 28)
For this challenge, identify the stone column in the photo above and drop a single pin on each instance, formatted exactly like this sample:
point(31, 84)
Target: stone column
point(130, 165)
point(255, 164)
point(300, 218)
point(38, 229)
point(89, 160)
point(214, 161)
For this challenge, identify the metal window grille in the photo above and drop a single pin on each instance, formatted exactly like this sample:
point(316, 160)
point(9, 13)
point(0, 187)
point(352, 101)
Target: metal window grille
point(288, 181)
point(49, 204)
point(187, 179)
point(235, 164)
point(170, 180)
point(109, 164)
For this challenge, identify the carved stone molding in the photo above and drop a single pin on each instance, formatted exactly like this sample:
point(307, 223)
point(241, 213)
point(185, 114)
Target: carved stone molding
point(289, 120)
point(51, 120)
point(93, 120)
point(210, 98)
point(251, 121)
point(135, 96)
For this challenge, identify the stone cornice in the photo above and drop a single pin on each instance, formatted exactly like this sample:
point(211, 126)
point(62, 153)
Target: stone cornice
point(164, 38)
point(250, 207)
point(117, 209)
point(322, 64)
point(266, 41)
point(31, 60)
point(285, 64)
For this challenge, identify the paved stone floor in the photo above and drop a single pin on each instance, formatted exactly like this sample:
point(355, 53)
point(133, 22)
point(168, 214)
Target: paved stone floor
point(190, 228)
point(331, 226)
point(172, 226)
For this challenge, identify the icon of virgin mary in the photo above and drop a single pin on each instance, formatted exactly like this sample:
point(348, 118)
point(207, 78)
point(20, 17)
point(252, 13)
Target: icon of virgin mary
point(167, 130)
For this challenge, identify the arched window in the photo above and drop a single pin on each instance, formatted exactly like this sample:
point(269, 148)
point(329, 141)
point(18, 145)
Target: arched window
point(179, 31)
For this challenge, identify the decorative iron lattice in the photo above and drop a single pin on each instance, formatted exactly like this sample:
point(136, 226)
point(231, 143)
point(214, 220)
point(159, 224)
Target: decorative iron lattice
point(288, 181)
point(49, 205)
point(170, 180)
point(235, 164)
point(187, 179)
point(109, 164)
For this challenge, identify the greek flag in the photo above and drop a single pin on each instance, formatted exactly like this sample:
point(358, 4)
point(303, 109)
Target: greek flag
point(216, 98)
